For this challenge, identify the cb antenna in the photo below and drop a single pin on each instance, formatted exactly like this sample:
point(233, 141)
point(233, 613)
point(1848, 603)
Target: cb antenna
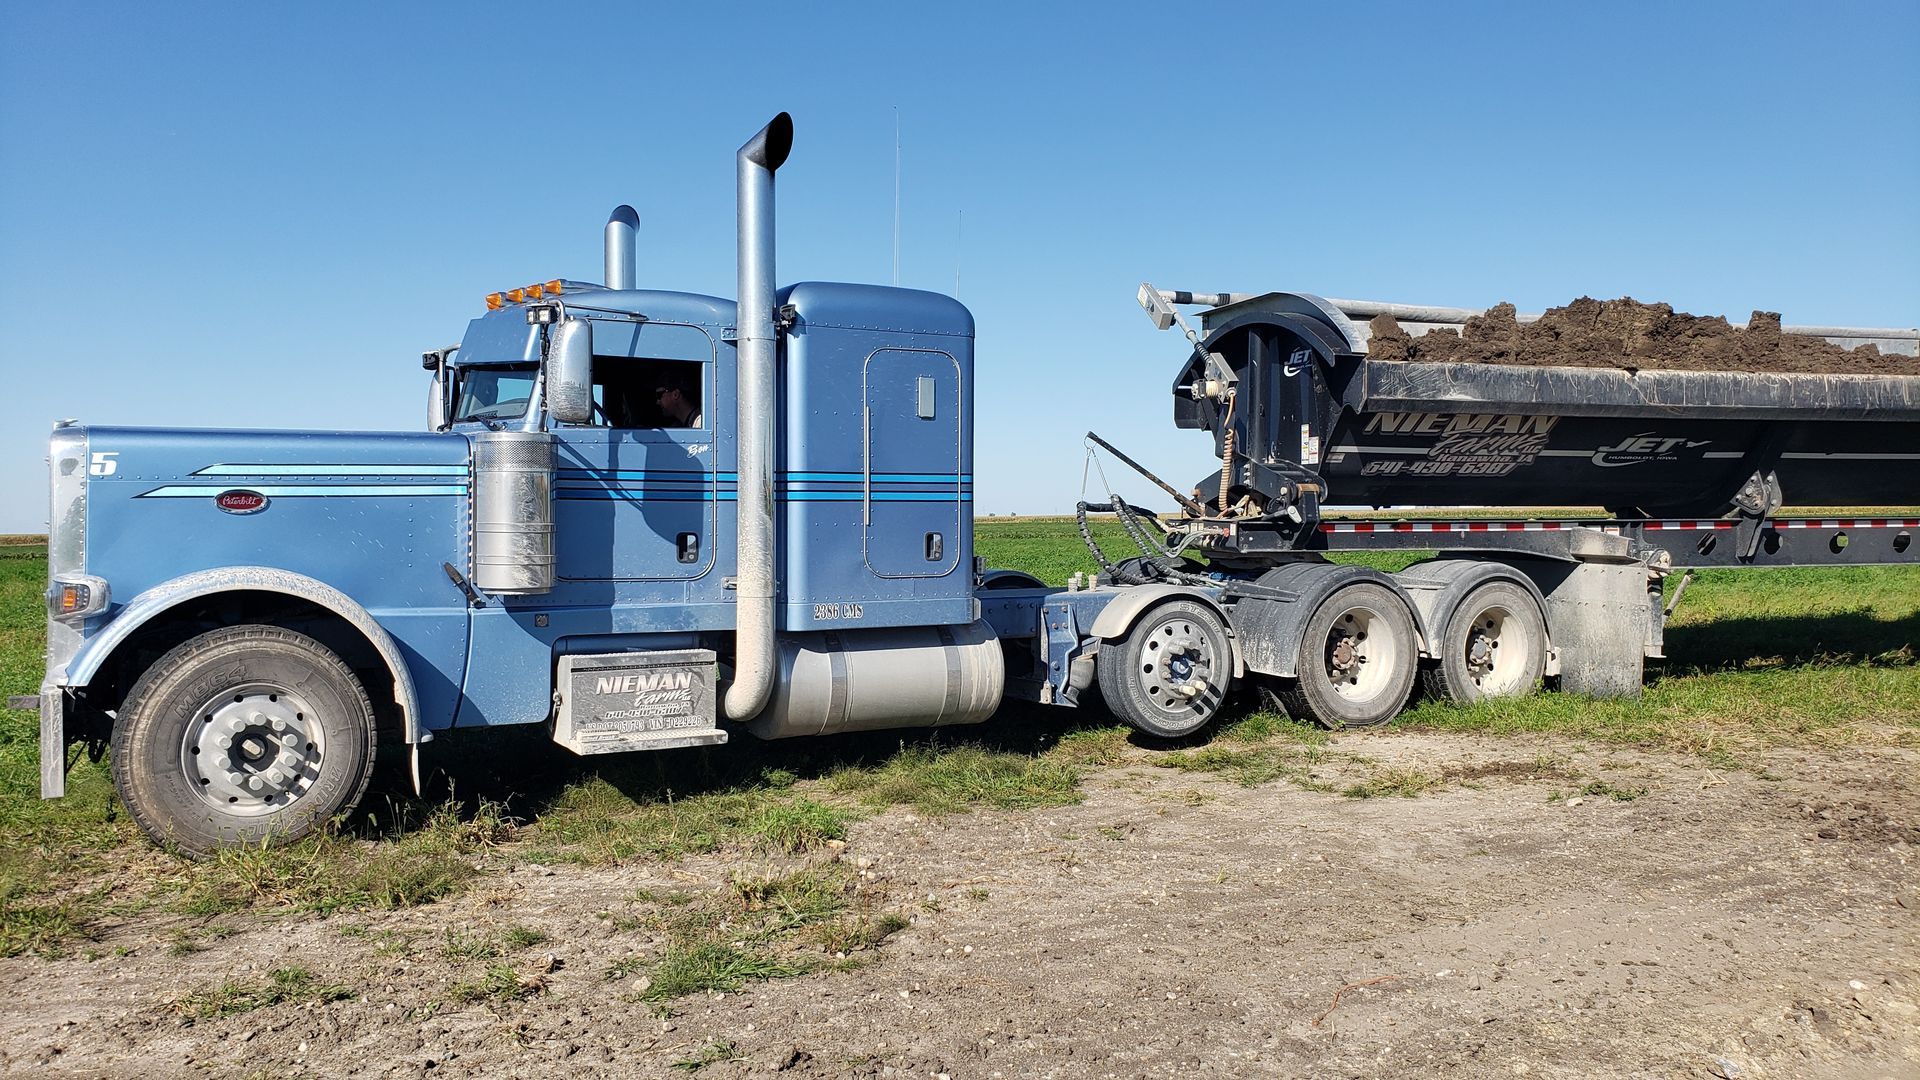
point(896, 196)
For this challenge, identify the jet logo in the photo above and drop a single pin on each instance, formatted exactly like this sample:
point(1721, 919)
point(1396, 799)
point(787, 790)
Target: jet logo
point(1644, 447)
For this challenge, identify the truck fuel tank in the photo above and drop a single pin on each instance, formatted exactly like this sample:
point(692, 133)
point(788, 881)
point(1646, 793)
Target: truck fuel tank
point(870, 680)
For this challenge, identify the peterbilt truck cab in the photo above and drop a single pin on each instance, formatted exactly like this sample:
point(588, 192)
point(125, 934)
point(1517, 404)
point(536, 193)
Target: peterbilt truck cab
point(249, 617)
point(647, 519)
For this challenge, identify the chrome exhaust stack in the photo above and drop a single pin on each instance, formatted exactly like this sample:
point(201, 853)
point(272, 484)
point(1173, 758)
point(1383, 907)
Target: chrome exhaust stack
point(755, 655)
point(622, 262)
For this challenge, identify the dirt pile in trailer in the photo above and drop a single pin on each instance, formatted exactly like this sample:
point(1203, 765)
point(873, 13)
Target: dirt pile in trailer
point(1628, 334)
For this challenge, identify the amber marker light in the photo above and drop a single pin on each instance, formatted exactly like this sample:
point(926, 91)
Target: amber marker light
point(76, 598)
point(553, 287)
point(536, 290)
point(495, 301)
point(516, 295)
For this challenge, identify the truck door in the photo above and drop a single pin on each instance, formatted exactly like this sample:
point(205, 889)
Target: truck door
point(914, 510)
point(635, 491)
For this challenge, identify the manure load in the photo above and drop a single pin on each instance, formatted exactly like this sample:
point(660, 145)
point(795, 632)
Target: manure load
point(1628, 406)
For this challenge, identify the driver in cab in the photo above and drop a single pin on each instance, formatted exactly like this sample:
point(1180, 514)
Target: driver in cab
point(678, 405)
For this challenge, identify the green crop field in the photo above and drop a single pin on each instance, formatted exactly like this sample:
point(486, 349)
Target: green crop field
point(1822, 658)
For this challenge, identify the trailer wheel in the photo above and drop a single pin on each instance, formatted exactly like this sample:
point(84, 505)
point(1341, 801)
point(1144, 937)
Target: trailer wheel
point(1357, 661)
point(244, 735)
point(1172, 671)
point(1494, 645)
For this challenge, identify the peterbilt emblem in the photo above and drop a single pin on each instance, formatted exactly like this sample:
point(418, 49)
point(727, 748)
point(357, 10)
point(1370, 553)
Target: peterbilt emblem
point(240, 501)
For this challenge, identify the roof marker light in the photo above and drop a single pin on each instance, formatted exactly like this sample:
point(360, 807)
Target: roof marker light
point(495, 301)
point(516, 295)
point(553, 286)
point(536, 290)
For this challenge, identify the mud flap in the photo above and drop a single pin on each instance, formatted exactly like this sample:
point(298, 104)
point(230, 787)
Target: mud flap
point(53, 744)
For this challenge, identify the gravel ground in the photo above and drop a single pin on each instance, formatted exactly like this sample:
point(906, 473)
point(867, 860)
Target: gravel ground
point(1752, 923)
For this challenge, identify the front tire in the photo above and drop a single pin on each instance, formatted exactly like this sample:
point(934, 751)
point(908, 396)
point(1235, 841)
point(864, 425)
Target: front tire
point(246, 735)
point(1169, 676)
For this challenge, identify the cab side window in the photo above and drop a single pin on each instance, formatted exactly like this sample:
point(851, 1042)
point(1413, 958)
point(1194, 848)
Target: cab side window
point(635, 392)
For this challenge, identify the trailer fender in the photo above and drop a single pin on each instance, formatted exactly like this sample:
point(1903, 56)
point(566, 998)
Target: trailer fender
point(1132, 602)
point(171, 594)
point(1270, 617)
point(1436, 588)
point(1312, 324)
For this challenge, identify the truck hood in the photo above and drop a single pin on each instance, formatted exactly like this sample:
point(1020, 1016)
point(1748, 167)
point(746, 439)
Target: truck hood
point(374, 514)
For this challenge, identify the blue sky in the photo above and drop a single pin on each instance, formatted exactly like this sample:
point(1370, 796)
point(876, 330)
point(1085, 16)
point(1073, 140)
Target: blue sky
point(249, 215)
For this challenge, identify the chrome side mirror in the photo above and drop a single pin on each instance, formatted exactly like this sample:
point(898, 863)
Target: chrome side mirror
point(570, 372)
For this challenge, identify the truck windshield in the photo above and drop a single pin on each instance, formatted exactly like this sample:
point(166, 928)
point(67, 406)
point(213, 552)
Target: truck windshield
point(495, 392)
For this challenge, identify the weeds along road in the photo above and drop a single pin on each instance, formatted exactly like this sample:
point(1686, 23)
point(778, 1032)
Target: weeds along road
point(1718, 879)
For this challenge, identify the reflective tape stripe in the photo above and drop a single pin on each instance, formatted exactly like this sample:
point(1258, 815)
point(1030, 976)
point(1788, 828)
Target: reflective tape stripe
point(1607, 525)
point(332, 470)
point(295, 491)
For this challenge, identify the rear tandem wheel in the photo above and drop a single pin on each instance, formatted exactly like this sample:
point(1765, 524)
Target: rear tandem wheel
point(1357, 662)
point(1494, 645)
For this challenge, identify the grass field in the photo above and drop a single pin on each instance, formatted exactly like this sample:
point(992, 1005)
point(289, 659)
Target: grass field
point(1815, 657)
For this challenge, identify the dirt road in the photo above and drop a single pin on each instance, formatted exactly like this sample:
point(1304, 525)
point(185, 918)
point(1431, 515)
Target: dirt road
point(1676, 920)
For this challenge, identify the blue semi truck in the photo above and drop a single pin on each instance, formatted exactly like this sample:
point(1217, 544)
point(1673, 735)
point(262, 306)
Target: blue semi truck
point(652, 519)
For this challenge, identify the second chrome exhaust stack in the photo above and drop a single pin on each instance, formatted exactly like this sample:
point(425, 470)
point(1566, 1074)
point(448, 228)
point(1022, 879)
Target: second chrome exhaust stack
point(755, 656)
point(622, 263)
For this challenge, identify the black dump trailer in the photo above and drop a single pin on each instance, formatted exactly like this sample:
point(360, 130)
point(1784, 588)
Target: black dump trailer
point(1692, 468)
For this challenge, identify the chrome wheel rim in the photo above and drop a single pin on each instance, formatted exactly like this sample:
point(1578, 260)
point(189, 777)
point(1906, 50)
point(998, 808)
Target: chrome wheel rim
point(252, 750)
point(1177, 663)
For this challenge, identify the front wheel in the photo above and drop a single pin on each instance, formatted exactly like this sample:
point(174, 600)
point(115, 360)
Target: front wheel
point(244, 735)
point(1171, 673)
